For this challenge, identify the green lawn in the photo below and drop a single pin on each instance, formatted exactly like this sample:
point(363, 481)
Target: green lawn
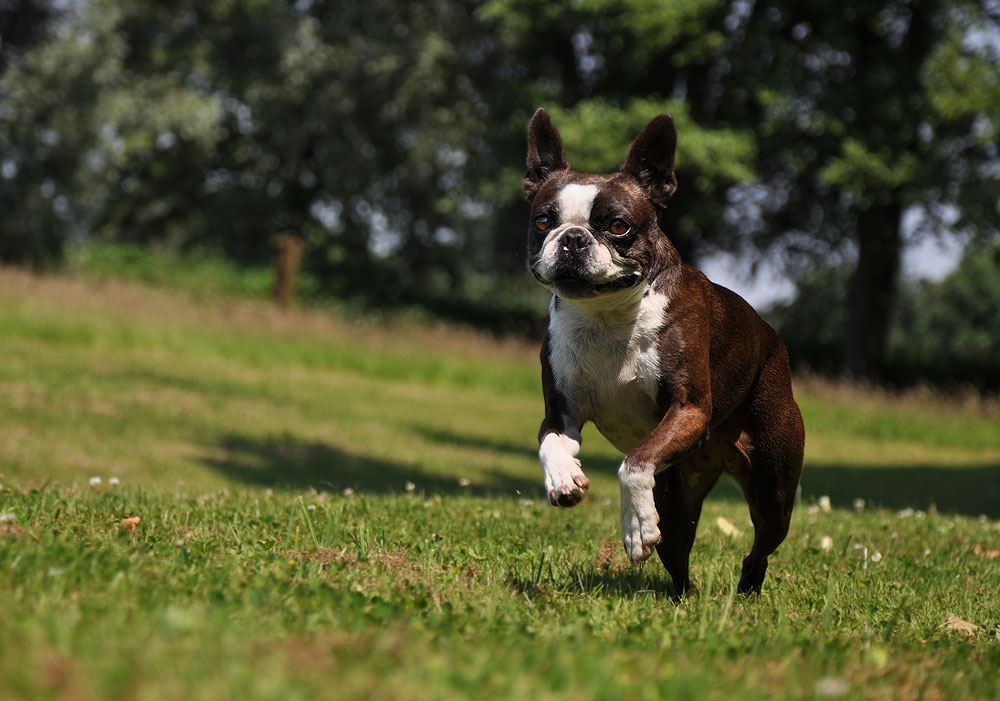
point(233, 432)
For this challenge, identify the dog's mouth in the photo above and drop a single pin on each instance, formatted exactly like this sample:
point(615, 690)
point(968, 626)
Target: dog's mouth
point(569, 283)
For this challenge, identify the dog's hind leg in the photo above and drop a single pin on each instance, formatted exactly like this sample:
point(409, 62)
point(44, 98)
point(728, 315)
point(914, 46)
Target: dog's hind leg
point(771, 512)
point(770, 476)
point(678, 494)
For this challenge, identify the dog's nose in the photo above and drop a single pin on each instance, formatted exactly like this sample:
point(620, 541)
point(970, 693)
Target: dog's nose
point(575, 240)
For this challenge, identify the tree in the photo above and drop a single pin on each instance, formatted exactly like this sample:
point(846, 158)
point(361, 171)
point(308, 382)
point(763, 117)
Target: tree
point(604, 69)
point(865, 112)
point(73, 120)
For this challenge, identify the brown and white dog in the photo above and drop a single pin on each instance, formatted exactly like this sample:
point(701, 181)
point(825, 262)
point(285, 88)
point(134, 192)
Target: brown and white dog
point(680, 374)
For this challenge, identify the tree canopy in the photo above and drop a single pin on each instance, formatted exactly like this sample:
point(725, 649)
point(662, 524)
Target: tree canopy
point(391, 135)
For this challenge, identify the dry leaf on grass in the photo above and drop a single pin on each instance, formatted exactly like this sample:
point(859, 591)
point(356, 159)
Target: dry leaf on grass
point(983, 552)
point(11, 530)
point(728, 527)
point(953, 622)
point(130, 523)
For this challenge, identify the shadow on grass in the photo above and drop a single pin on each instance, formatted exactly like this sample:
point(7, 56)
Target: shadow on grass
point(958, 490)
point(526, 448)
point(611, 583)
point(291, 463)
point(288, 462)
point(967, 491)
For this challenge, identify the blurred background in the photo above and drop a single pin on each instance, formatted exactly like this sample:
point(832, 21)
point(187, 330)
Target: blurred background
point(837, 162)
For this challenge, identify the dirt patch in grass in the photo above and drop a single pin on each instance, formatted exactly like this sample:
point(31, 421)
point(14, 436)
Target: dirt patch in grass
point(397, 563)
point(611, 556)
point(13, 531)
point(394, 562)
point(59, 674)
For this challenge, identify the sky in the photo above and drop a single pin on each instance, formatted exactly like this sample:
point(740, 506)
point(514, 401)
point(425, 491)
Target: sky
point(927, 258)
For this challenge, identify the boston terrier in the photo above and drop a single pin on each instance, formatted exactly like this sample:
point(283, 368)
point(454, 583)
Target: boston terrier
point(678, 373)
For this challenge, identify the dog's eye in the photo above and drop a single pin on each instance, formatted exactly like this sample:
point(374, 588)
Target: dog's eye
point(542, 222)
point(619, 227)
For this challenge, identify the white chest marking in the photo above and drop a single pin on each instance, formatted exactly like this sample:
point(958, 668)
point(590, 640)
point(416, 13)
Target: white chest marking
point(607, 365)
point(575, 203)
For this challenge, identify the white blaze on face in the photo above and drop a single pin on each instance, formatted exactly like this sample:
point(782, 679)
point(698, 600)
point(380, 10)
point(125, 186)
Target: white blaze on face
point(575, 203)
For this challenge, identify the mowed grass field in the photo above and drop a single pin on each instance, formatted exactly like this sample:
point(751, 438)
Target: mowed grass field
point(330, 509)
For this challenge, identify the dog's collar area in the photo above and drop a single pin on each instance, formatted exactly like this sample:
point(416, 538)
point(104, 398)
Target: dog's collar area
point(572, 287)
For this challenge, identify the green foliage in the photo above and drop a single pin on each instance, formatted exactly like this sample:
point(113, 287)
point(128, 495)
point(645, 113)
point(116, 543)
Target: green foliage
point(948, 332)
point(812, 324)
point(598, 134)
point(858, 169)
point(944, 332)
point(963, 84)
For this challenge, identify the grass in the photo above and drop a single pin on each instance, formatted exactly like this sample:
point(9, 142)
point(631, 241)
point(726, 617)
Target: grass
point(234, 432)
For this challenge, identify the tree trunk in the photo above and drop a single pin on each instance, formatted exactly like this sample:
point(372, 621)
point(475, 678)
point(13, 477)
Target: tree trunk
point(872, 291)
point(287, 261)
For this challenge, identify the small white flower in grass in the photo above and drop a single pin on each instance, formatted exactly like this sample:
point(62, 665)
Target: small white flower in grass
point(905, 513)
point(95, 481)
point(824, 504)
point(812, 510)
point(464, 482)
point(268, 492)
point(55, 571)
point(113, 482)
point(311, 507)
point(825, 543)
point(410, 486)
point(918, 514)
point(348, 492)
point(727, 527)
point(983, 518)
point(859, 504)
point(927, 551)
point(7, 517)
point(876, 556)
point(832, 686)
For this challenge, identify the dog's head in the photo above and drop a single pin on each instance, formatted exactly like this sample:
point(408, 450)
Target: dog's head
point(591, 236)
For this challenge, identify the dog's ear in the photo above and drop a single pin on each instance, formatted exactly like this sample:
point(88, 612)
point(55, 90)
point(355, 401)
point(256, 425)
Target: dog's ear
point(545, 153)
point(651, 159)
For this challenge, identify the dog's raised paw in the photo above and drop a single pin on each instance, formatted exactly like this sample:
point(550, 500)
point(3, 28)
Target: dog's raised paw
point(565, 483)
point(570, 494)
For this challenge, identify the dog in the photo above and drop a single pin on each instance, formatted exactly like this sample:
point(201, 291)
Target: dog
point(678, 373)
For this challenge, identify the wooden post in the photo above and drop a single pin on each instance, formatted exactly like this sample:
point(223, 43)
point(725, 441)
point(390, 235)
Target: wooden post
point(287, 261)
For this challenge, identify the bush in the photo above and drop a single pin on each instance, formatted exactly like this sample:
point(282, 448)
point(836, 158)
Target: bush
point(946, 333)
point(949, 332)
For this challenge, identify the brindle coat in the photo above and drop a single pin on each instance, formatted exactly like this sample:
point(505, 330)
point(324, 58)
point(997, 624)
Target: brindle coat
point(723, 397)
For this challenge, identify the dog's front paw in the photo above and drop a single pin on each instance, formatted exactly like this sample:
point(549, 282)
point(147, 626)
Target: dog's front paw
point(568, 493)
point(565, 483)
point(640, 532)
